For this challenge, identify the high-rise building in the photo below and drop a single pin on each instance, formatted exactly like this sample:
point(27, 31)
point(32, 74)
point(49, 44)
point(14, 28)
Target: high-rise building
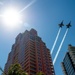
point(31, 53)
point(68, 64)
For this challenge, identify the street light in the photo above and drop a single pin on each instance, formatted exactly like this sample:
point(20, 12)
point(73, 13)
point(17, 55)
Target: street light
point(3, 71)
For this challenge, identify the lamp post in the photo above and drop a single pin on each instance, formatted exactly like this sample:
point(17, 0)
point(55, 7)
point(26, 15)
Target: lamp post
point(3, 71)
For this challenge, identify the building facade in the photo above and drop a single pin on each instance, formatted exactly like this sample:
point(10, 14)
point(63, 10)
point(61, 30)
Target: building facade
point(68, 64)
point(31, 53)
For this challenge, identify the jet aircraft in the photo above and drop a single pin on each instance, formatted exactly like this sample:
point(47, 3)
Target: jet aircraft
point(68, 25)
point(61, 24)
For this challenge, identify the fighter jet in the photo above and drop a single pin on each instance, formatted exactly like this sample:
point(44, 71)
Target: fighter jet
point(68, 25)
point(61, 24)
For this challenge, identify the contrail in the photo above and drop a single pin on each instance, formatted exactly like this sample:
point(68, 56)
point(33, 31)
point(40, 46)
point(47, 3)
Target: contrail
point(55, 40)
point(60, 47)
point(27, 6)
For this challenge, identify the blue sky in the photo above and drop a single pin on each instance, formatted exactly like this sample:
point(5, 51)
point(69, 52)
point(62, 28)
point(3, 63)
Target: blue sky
point(44, 16)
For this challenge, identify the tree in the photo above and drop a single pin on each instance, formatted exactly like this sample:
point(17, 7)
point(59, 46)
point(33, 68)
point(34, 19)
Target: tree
point(15, 69)
point(40, 73)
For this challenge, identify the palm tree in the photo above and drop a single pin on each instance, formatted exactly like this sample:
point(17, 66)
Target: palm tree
point(15, 69)
point(40, 73)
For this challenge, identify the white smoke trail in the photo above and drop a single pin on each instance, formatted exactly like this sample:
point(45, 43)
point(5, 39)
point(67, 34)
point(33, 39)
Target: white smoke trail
point(55, 41)
point(60, 47)
point(27, 6)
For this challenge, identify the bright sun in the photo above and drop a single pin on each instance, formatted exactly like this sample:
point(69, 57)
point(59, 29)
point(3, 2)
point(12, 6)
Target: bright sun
point(11, 18)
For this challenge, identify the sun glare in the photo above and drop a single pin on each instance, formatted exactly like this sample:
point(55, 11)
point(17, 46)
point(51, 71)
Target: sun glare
point(11, 18)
